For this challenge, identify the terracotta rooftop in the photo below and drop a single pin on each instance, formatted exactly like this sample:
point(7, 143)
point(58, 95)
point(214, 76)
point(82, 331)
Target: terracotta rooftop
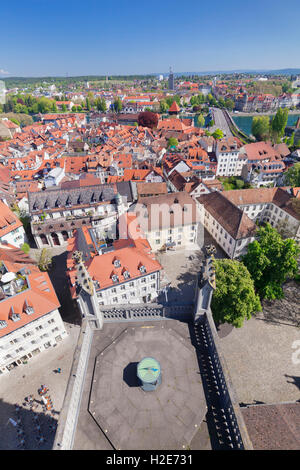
point(228, 215)
point(174, 108)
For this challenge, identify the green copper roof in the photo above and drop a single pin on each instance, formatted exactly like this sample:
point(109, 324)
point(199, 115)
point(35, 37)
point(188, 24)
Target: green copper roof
point(148, 370)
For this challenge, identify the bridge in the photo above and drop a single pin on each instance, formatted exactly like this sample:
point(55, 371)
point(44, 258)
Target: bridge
point(224, 121)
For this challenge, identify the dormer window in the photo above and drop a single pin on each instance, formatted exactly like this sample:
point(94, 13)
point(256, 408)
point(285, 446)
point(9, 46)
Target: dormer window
point(28, 309)
point(142, 269)
point(115, 278)
point(14, 316)
point(117, 263)
point(126, 274)
point(3, 324)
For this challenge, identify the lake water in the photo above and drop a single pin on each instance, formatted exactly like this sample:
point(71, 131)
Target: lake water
point(245, 122)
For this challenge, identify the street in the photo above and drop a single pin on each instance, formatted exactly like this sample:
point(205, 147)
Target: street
point(220, 122)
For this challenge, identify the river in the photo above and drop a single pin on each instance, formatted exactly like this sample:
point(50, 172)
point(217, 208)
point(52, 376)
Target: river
point(245, 122)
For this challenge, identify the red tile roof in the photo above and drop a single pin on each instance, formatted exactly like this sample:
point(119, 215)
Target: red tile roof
point(39, 293)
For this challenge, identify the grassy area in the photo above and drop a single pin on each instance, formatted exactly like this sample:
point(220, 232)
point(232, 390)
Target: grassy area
point(233, 182)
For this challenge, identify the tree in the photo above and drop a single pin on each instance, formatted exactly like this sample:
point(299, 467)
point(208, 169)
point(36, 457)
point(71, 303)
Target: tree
point(172, 142)
point(148, 119)
point(101, 104)
point(239, 183)
point(261, 127)
point(163, 106)
point(234, 299)
point(87, 104)
point(15, 121)
point(45, 260)
point(278, 123)
point(200, 120)
point(170, 100)
point(292, 176)
point(218, 134)
point(270, 261)
point(117, 105)
point(286, 88)
point(229, 104)
point(44, 105)
point(25, 247)
point(63, 108)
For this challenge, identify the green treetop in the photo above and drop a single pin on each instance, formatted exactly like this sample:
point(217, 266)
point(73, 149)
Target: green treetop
point(234, 299)
point(292, 176)
point(271, 260)
point(278, 123)
point(200, 120)
point(172, 142)
point(218, 134)
point(261, 127)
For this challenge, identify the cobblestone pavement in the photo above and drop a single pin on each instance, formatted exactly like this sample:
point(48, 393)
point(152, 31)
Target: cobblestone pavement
point(25, 380)
point(181, 268)
point(260, 360)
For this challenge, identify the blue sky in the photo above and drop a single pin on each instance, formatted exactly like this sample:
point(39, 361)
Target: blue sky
point(99, 37)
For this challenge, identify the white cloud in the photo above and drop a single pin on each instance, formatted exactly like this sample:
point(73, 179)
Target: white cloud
point(4, 72)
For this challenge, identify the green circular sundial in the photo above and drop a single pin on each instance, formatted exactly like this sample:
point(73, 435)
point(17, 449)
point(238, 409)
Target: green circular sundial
point(148, 370)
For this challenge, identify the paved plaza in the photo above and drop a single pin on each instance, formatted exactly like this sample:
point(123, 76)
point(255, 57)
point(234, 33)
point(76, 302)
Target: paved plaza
point(260, 361)
point(25, 380)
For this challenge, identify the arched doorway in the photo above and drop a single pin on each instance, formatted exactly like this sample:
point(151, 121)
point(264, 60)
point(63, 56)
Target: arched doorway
point(44, 239)
point(55, 238)
point(65, 235)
